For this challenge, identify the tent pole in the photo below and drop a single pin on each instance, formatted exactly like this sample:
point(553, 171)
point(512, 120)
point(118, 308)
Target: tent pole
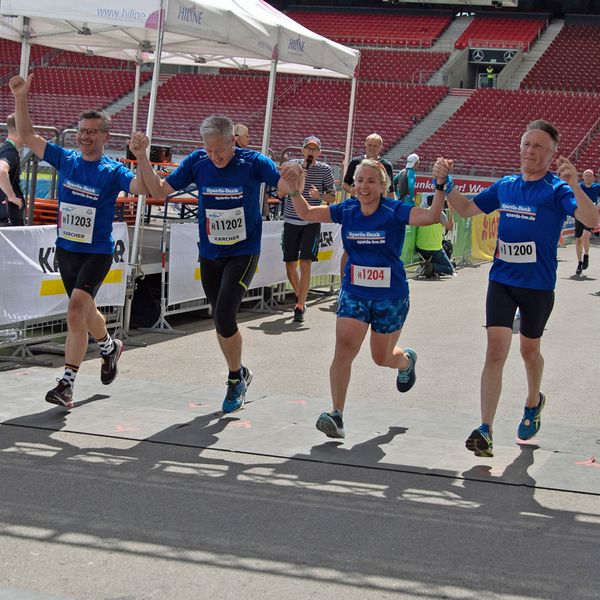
point(269, 110)
point(25, 47)
point(136, 93)
point(135, 259)
point(348, 153)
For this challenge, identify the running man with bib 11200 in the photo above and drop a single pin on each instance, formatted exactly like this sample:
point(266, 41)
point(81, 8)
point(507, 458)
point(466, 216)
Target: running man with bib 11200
point(532, 207)
point(88, 185)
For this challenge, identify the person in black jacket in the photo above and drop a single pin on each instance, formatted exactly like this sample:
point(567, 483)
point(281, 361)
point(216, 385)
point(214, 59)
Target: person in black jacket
point(12, 203)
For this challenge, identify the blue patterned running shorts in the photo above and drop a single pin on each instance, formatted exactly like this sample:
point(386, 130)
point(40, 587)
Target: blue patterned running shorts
point(384, 316)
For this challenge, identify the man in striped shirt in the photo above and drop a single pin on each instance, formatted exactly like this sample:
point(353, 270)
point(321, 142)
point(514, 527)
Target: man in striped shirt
point(301, 239)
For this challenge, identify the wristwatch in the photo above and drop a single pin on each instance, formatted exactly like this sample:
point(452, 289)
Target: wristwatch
point(440, 186)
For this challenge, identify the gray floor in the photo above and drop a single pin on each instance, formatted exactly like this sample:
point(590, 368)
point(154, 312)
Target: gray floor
point(144, 490)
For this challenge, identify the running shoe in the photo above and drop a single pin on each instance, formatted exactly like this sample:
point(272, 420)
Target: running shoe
point(108, 371)
point(586, 262)
point(579, 269)
point(62, 394)
point(247, 375)
point(299, 314)
point(235, 396)
point(531, 422)
point(331, 424)
point(406, 378)
point(480, 442)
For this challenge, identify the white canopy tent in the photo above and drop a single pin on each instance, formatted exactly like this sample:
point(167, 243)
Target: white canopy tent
point(216, 32)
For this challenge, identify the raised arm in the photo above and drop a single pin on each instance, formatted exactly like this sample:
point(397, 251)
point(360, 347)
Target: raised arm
point(20, 87)
point(147, 180)
point(460, 203)
point(293, 176)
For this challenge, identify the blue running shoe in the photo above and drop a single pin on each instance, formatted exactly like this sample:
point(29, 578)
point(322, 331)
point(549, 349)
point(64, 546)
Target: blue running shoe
point(331, 424)
point(236, 395)
point(406, 379)
point(531, 422)
point(480, 441)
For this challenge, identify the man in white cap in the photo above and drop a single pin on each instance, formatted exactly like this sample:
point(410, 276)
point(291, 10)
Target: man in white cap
point(301, 239)
point(404, 182)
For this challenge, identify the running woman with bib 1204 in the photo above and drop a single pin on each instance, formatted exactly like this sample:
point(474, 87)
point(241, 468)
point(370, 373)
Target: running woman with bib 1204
point(374, 288)
point(88, 185)
point(532, 207)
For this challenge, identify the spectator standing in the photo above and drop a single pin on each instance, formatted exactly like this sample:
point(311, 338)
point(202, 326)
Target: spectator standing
point(242, 137)
point(406, 180)
point(11, 195)
point(301, 239)
point(373, 148)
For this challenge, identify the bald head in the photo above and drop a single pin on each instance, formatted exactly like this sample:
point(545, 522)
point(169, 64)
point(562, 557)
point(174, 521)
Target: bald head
point(588, 177)
point(241, 135)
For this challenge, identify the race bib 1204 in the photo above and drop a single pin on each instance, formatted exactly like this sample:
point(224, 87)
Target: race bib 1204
point(370, 276)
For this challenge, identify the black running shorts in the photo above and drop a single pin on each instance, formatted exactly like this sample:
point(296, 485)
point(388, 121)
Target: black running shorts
point(82, 270)
point(535, 306)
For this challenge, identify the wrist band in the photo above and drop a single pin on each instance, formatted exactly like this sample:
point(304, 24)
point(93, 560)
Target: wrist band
point(449, 184)
point(293, 194)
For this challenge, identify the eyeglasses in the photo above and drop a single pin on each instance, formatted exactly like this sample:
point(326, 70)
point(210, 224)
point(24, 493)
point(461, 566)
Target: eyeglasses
point(84, 130)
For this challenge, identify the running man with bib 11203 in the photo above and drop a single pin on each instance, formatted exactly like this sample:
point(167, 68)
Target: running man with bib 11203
point(88, 185)
point(532, 207)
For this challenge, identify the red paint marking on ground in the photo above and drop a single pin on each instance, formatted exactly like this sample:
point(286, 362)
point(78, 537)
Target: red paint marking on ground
point(125, 428)
point(590, 462)
point(194, 405)
point(242, 424)
point(301, 402)
point(525, 442)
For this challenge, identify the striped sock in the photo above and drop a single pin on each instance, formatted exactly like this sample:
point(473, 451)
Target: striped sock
point(70, 374)
point(106, 345)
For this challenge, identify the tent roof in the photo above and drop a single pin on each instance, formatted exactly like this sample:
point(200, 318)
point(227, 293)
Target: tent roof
point(220, 32)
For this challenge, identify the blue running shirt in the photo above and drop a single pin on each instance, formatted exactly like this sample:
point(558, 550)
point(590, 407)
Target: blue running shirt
point(374, 245)
point(229, 203)
point(593, 192)
point(532, 214)
point(87, 192)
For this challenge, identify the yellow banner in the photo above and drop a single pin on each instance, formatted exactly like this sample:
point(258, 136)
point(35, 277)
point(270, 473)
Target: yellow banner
point(484, 234)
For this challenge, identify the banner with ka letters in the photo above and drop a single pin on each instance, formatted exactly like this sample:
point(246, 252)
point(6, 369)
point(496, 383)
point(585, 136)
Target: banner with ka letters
point(30, 284)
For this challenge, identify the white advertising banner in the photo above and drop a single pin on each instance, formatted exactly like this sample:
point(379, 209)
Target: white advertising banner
point(184, 270)
point(30, 284)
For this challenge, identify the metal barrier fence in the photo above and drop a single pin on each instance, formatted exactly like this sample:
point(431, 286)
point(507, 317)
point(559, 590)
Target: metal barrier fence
point(19, 340)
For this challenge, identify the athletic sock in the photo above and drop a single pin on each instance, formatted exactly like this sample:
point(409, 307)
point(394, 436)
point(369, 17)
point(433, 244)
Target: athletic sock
point(235, 375)
point(70, 374)
point(106, 345)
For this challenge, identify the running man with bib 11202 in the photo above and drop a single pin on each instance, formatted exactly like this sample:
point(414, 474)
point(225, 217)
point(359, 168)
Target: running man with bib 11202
point(228, 179)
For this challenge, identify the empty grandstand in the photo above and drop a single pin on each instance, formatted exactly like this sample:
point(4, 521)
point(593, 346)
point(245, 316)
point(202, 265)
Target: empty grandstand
point(408, 62)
